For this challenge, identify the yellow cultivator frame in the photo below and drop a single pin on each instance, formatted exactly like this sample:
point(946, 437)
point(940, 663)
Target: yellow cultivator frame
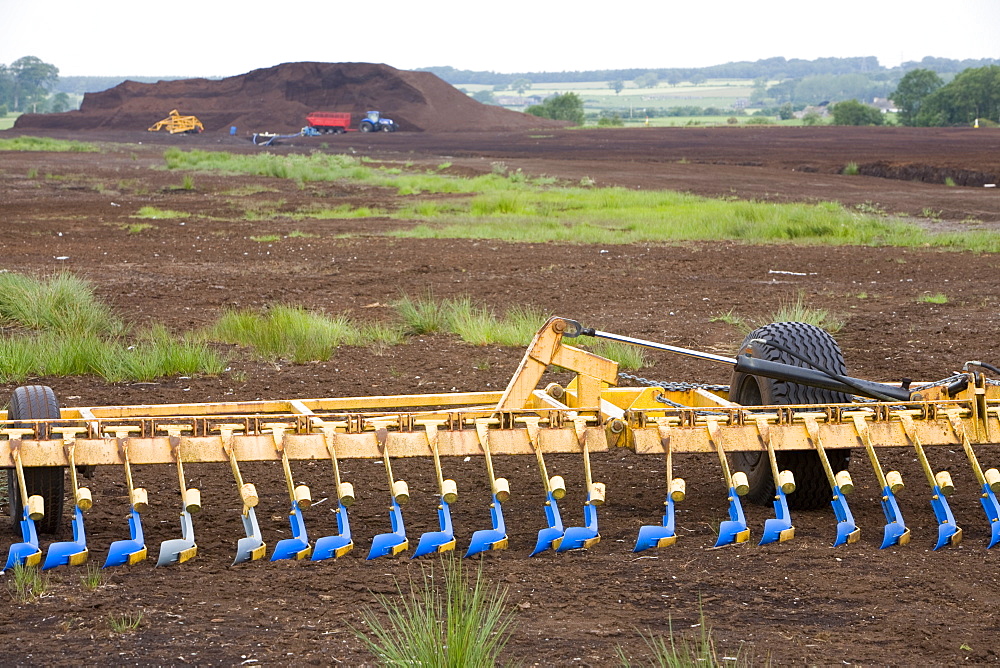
point(587, 416)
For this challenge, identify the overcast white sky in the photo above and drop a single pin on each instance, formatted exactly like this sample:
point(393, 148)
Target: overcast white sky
point(209, 38)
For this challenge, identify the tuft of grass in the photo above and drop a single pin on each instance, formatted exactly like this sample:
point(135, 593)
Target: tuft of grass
point(798, 311)
point(788, 311)
point(730, 318)
point(266, 238)
point(62, 302)
point(93, 578)
point(451, 620)
point(938, 298)
point(159, 214)
point(471, 322)
point(629, 357)
point(27, 583)
point(479, 325)
point(156, 353)
point(126, 622)
point(850, 169)
point(137, 228)
point(290, 332)
point(678, 650)
point(421, 315)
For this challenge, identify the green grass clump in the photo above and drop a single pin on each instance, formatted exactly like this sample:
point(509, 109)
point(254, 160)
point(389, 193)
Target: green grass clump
point(62, 302)
point(629, 357)
point(850, 169)
point(451, 621)
point(159, 214)
point(342, 212)
point(47, 144)
point(126, 622)
point(424, 315)
point(286, 332)
point(788, 311)
point(474, 323)
point(138, 228)
point(938, 298)
point(93, 578)
point(154, 354)
point(798, 311)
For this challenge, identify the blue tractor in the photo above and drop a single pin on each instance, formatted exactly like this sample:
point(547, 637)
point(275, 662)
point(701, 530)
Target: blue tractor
point(374, 122)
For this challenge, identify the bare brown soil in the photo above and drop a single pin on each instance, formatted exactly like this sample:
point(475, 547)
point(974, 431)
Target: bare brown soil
point(796, 602)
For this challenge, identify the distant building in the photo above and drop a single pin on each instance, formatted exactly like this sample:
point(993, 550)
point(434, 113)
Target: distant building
point(517, 100)
point(819, 110)
point(885, 105)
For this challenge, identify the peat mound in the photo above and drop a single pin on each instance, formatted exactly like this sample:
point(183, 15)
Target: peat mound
point(277, 99)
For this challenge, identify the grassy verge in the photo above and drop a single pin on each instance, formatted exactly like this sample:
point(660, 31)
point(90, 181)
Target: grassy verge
point(47, 144)
point(510, 206)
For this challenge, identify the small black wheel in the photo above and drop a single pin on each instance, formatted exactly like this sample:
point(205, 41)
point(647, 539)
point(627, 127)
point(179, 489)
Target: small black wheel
point(37, 402)
point(812, 489)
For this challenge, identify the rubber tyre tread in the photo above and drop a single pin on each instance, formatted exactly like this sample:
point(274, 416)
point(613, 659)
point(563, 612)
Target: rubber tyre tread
point(812, 489)
point(37, 402)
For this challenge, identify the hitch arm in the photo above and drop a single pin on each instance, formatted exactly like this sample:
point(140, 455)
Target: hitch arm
point(759, 367)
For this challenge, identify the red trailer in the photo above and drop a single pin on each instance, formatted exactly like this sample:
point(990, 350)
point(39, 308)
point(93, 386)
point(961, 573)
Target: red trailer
point(325, 122)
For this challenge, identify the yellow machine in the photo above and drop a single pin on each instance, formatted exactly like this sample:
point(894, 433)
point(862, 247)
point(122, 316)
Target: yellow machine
point(787, 421)
point(174, 123)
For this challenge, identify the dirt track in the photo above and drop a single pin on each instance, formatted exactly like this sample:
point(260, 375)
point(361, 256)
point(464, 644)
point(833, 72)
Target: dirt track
point(797, 602)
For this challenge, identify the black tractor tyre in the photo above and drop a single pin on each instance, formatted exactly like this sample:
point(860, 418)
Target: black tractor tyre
point(366, 127)
point(36, 402)
point(812, 488)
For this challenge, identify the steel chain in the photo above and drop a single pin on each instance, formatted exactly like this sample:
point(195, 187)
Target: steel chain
point(675, 386)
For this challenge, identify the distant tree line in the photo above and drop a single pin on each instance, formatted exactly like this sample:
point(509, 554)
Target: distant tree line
point(772, 69)
point(25, 85)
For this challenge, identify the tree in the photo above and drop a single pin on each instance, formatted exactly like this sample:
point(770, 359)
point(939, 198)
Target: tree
point(786, 111)
point(912, 91)
point(617, 86)
point(32, 80)
point(484, 96)
point(974, 93)
point(648, 80)
point(852, 112)
point(811, 118)
point(565, 107)
point(521, 85)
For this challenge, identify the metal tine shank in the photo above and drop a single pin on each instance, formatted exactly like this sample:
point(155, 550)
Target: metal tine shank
point(252, 547)
point(941, 486)
point(297, 547)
